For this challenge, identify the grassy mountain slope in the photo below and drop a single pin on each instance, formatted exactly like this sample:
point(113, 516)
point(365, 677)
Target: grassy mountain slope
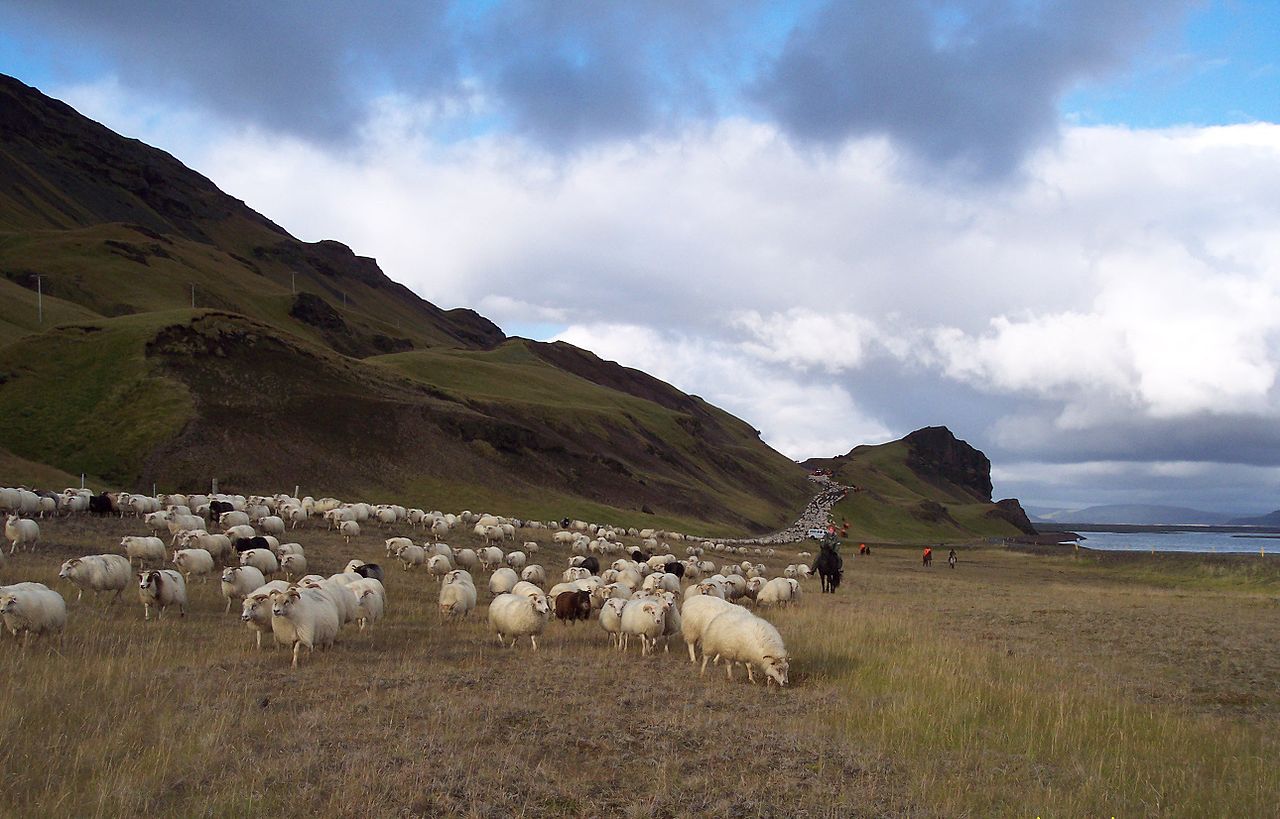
point(180, 397)
point(118, 227)
point(302, 363)
point(928, 486)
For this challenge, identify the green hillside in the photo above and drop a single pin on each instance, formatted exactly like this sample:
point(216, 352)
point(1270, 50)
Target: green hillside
point(303, 364)
point(945, 497)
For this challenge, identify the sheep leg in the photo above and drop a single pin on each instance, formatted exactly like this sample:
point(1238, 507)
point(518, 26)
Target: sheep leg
point(534, 640)
point(296, 646)
point(258, 636)
point(79, 594)
point(692, 657)
point(750, 675)
point(703, 672)
point(228, 608)
point(728, 667)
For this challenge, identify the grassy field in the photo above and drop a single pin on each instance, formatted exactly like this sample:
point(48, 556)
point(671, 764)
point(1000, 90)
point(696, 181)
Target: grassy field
point(1016, 684)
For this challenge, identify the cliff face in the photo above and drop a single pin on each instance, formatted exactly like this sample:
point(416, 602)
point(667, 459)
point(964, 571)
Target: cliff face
point(934, 452)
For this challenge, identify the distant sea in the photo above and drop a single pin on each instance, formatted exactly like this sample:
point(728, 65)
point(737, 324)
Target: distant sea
point(1184, 541)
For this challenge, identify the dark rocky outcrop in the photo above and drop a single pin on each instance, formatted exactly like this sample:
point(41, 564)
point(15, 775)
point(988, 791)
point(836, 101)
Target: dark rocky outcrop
point(936, 452)
point(1011, 510)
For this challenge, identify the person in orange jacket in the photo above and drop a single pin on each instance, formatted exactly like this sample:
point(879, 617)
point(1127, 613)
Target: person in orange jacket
point(928, 556)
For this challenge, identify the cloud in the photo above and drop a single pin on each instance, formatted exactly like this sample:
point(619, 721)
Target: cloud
point(971, 84)
point(1116, 304)
point(797, 418)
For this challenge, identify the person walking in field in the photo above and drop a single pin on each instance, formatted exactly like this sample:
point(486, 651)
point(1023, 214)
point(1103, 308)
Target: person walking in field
point(951, 559)
point(928, 556)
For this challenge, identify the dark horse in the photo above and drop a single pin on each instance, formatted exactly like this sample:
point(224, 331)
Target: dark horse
point(829, 566)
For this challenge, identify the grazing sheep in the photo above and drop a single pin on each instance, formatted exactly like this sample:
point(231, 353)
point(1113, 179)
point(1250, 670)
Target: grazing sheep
point(349, 529)
point(395, 544)
point(741, 637)
point(26, 533)
point(516, 560)
point(460, 576)
point(238, 533)
point(535, 574)
point(239, 581)
point(338, 587)
point(193, 561)
point(32, 608)
point(233, 518)
point(438, 566)
point(255, 612)
point(466, 558)
point(411, 555)
point(263, 559)
point(304, 617)
point(145, 549)
point(502, 581)
point(368, 570)
point(162, 588)
point(527, 589)
point(777, 592)
point(440, 549)
point(611, 619)
point(530, 547)
point(98, 573)
point(371, 600)
point(293, 564)
point(457, 599)
point(573, 605)
point(645, 618)
point(439, 529)
point(289, 549)
point(516, 616)
point(697, 612)
point(490, 558)
point(217, 545)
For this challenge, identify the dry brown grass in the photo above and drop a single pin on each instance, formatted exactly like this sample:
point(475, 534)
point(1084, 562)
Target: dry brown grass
point(1013, 685)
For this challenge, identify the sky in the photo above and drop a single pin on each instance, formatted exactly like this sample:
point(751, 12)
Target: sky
point(1049, 226)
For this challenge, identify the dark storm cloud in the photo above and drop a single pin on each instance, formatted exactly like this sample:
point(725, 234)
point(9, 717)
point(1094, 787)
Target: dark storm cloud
point(974, 82)
point(298, 67)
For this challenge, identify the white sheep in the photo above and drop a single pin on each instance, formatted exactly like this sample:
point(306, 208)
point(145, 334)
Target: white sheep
point(438, 566)
point(239, 532)
point(349, 529)
point(338, 587)
point(502, 581)
point(98, 573)
point(776, 592)
point(162, 588)
point(145, 549)
point(466, 559)
point(395, 544)
point(289, 549)
point(439, 529)
point(645, 618)
point(304, 617)
point(535, 574)
point(217, 545)
point(516, 560)
point(32, 608)
point(239, 581)
point(293, 564)
point(697, 612)
point(490, 558)
point(530, 547)
point(193, 561)
point(411, 555)
point(457, 599)
point(371, 601)
point(516, 616)
point(264, 560)
point(741, 637)
point(611, 619)
point(255, 611)
point(22, 532)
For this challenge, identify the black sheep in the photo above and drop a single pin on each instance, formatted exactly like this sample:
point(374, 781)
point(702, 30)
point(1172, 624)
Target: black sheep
point(370, 570)
point(591, 564)
point(639, 556)
point(244, 544)
point(675, 567)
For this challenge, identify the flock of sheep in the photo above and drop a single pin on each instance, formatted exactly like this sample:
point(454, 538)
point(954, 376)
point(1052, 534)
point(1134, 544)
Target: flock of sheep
point(644, 594)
